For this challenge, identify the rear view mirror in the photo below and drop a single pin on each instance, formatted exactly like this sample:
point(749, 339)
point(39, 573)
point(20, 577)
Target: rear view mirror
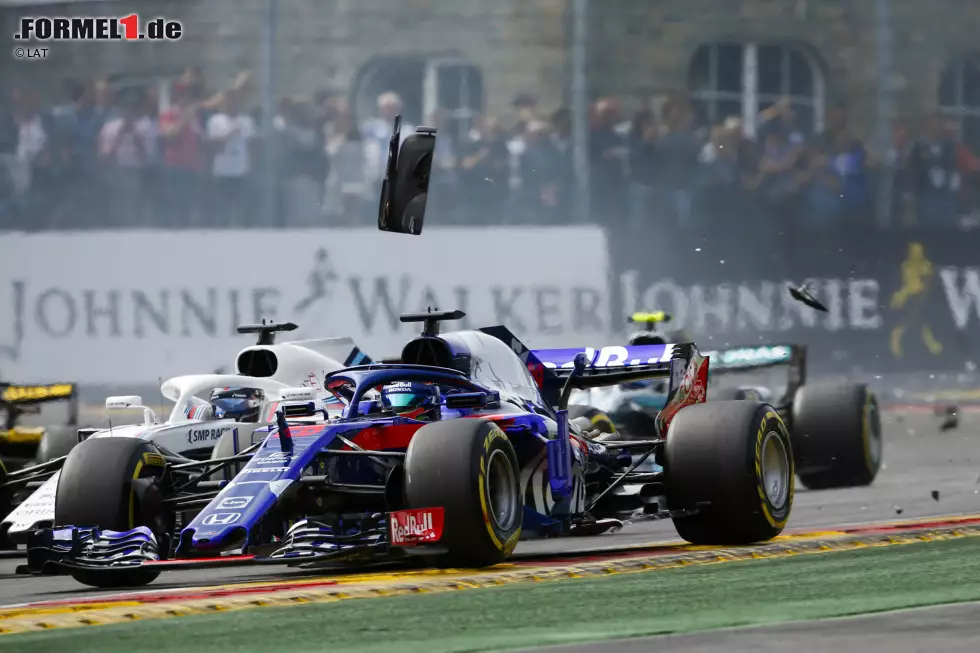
point(405, 188)
point(467, 400)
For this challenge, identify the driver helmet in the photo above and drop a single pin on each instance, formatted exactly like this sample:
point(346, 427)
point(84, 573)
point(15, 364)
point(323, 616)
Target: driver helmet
point(407, 396)
point(647, 338)
point(240, 404)
point(644, 338)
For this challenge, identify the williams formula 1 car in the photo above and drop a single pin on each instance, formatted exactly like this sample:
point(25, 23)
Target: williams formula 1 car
point(836, 428)
point(213, 415)
point(456, 452)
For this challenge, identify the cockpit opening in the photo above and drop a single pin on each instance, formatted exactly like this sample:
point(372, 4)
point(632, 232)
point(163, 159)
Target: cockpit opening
point(257, 362)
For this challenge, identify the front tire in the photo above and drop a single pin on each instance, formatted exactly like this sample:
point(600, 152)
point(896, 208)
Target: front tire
point(58, 441)
point(469, 468)
point(99, 487)
point(836, 435)
point(733, 462)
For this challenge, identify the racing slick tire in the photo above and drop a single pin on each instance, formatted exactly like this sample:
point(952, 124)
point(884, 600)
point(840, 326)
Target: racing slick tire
point(600, 421)
point(836, 435)
point(58, 441)
point(97, 488)
point(732, 462)
point(469, 468)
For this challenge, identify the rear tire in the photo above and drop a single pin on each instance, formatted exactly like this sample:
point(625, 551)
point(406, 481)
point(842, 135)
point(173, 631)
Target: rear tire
point(96, 489)
point(599, 419)
point(736, 457)
point(836, 435)
point(469, 468)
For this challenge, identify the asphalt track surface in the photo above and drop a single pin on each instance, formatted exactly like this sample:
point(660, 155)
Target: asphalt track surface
point(927, 473)
point(947, 628)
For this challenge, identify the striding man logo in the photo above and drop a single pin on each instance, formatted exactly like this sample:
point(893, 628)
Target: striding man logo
point(910, 303)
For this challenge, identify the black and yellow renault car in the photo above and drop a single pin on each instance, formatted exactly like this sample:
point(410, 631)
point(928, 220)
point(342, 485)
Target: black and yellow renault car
point(29, 430)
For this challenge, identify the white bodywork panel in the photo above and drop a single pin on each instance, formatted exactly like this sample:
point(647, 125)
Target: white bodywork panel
point(300, 364)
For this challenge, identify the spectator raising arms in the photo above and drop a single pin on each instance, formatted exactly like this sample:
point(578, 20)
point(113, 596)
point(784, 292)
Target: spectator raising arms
point(126, 146)
point(231, 133)
point(183, 158)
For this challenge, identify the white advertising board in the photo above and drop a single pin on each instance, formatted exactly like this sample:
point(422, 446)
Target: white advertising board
point(135, 306)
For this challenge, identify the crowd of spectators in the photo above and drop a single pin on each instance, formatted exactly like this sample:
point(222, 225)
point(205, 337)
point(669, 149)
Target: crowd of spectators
point(108, 158)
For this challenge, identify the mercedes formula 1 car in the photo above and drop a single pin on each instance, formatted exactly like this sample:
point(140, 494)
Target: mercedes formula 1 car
point(456, 452)
point(836, 428)
point(213, 415)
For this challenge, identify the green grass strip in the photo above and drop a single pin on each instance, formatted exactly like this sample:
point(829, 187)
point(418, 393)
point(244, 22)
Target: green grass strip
point(535, 614)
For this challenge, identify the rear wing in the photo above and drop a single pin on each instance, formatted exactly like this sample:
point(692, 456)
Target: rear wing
point(617, 364)
point(36, 394)
point(605, 366)
point(559, 371)
point(607, 363)
point(747, 359)
point(18, 398)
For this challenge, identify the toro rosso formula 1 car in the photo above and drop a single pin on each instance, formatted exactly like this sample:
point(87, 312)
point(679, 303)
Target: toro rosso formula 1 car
point(213, 415)
point(835, 427)
point(456, 452)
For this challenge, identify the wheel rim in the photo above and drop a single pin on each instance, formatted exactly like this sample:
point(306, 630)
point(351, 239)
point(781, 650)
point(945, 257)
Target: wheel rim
point(501, 491)
point(775, 470)
point(873, 435)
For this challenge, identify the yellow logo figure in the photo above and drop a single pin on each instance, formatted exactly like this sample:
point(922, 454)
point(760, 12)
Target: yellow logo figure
point(649, 318)
point(911, 298)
